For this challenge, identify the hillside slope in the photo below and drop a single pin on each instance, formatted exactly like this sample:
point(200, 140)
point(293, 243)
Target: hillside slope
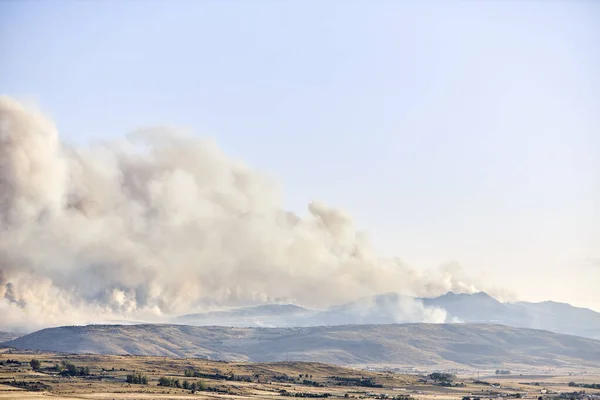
point(476, 345)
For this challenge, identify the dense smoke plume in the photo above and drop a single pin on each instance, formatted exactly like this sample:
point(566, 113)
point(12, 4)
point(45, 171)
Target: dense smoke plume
point(162, 223)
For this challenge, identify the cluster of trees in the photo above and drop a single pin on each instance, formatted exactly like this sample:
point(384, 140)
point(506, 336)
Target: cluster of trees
point(191, 373)
point(308, 382)
point(441, 376)
point(171, 382)
point(304, 379)
point(65, 368)
point(194, 386)
point(364, 382)
point(284, 378)
point(137, 379)
point(572, 395)
point(231, 377)
point(443, 379)
point(304, 394)
point(30, 386)
point(585, 385)
point(10, 362)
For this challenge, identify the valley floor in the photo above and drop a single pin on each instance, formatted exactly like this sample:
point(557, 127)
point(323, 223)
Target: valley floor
point(105, 377)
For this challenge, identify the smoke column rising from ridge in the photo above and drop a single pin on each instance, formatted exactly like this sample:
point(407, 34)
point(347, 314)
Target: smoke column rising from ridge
point(162, 223)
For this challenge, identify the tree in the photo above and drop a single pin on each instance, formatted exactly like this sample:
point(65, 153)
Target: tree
point(35, 364)
point(70, 369)
point(186, 385)
point(164, 381)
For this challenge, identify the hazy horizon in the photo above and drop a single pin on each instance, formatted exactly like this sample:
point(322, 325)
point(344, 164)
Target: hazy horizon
point(163, 158)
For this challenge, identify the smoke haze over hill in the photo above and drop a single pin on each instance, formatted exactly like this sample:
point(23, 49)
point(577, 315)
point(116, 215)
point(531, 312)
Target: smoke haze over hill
point(162, 223)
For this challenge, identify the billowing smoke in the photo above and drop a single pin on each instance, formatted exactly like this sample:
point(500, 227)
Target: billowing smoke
point(162, 223)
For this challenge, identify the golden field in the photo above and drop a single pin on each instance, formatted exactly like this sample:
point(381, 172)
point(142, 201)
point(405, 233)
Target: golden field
point(241, 380)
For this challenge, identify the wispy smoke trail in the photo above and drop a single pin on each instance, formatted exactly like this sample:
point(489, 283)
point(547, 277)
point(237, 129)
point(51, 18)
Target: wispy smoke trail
point(162, 223)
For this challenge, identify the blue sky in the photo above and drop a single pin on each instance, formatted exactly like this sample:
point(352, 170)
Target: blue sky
point(464, 132)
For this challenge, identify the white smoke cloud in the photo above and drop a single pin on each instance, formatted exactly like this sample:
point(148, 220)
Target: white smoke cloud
point(389, 307)
point(162, 223)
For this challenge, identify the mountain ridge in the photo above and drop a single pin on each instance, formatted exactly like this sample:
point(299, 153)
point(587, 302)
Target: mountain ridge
point(393, 307)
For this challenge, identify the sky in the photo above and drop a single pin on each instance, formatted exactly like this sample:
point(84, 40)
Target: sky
point(453, 132)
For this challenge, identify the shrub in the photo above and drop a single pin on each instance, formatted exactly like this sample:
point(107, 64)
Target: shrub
point(164, 381)
point(35, 364)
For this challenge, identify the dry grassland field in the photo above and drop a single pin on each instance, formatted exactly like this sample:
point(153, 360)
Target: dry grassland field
point(105, 377)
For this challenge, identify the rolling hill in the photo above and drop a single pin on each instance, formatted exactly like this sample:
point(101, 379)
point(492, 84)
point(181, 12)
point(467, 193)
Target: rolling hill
point(424, 345)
